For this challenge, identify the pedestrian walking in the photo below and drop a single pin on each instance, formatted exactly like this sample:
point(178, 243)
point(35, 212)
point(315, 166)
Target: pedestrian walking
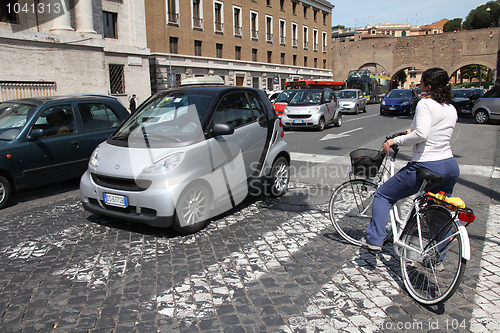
point(132, 105)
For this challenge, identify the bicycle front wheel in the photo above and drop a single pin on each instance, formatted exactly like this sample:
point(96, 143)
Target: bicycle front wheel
point(432, 273)
point(350, 209)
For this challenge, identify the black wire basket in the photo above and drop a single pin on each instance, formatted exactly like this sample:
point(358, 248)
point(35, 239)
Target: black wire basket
point(366, 162)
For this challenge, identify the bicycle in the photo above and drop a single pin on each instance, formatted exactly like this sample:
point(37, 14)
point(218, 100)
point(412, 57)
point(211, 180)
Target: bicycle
point(432, 241)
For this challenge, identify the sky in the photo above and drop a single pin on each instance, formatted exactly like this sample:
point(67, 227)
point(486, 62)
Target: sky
point(359, 13)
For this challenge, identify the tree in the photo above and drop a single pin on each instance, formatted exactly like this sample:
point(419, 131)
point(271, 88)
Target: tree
point(484, 16)
point(400, 77)
point(453, 25)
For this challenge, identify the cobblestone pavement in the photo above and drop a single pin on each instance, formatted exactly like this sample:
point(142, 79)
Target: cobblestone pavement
point(268, 266)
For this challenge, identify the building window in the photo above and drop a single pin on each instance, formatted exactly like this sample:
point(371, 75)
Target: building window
point(197, 14)
point(270, 57)
point(110, 22)
point(294, 60)
point(305, 11)
point(254, 54)
point(268, 3)
point(294, 8)
point(403, 34)
point(237, 52)
point(174, 42)
point(256, 82)
point(315, 15)
point(282, 5)
point(197, 48)
point(8, 11)
point(269, 29)
point(315, 62)
point(218, 17)
point(324, 63)
point(254, 25)
point(315, 40)
point(306, 38)
point(237, 21)
point(325, 16)
point(282, 32)
point(324, 38)
point(218, 50)
point(116, 79)
point(305, 61)
point(282, 58)
point(295, 37)
point(173, 12)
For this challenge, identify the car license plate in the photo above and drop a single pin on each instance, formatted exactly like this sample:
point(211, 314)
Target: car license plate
point(115, 200)
point(392, 109)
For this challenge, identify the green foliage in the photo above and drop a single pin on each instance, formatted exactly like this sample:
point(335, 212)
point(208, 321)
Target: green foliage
point(453, 25)
point(484, 16)
point(400, 77)
point(338, 27)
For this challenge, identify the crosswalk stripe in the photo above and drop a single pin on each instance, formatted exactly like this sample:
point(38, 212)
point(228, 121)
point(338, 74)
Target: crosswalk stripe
point(465, 169)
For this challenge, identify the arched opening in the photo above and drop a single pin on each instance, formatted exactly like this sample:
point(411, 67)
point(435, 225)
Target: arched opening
point(374, 68)
point(407, 78)
point(473, 75)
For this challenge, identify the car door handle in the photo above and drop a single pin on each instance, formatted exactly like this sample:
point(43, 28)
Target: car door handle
point(75, 143)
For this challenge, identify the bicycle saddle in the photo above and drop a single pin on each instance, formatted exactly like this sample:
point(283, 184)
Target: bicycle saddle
point(425, 174)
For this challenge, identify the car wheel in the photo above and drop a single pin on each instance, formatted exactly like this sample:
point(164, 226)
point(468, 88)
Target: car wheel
point(356, 109)
point(192, 210)
point(5, 191)
point(321, 124)
point(338, 122)
point(280, 176)
point(481, 116)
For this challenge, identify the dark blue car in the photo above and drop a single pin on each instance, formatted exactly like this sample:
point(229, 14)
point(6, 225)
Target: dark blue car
point(400, 101)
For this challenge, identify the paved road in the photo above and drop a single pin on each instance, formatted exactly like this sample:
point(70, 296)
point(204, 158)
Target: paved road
point(268, 266)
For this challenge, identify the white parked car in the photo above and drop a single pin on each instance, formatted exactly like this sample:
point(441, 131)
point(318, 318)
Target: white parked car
point(351, 100)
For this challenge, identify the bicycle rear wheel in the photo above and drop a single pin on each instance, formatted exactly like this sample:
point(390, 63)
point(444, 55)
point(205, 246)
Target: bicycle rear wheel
point(350, 209)
point(432, 276)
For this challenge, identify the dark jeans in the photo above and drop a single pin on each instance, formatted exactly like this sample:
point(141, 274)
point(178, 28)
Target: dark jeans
point(403, 184)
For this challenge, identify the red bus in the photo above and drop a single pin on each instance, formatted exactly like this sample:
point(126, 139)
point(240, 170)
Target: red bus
point(305, 84)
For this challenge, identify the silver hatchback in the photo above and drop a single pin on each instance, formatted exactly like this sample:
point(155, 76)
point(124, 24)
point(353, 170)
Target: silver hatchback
point(186, 155)
point(487, 107)
point(351, 100)
point(312, 108)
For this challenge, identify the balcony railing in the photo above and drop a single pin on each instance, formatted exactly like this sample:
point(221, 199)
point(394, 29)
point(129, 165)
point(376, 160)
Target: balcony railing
point(255, 34)
point(238, 31)
point(295, 42)
point(315, 47)
point(219, 27)
point(269, 37)
point(325, 49)
point(306, 45)
point(282, 40)
point(197, 23)
point(173, 18)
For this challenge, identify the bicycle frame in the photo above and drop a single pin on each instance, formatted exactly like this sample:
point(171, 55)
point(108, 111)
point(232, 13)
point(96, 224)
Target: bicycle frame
point(398, 225)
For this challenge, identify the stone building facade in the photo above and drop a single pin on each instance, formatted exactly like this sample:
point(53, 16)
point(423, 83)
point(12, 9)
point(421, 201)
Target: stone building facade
point(84, 46)
point(247, 42)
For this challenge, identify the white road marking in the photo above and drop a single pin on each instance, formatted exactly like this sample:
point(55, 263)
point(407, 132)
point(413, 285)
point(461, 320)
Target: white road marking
point(340, 135)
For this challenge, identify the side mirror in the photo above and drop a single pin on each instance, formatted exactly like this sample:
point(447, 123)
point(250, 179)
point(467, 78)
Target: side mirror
point(36, 134)
point(222, 129)
point(262, 120)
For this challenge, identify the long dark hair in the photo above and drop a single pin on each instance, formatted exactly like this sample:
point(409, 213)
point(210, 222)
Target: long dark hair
point(438, 80)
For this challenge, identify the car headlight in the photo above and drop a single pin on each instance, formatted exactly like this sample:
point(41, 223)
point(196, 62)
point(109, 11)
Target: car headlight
point(314, 109)
point(285, 111)
point(94, 158)
point(406, 103)
point(383, 102)
point(165, 164)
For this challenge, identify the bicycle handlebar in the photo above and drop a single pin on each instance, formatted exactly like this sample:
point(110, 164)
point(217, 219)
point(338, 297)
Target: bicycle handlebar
point(394, 147)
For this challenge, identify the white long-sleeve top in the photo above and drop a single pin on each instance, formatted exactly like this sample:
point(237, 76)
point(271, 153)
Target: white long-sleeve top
point(431, 131)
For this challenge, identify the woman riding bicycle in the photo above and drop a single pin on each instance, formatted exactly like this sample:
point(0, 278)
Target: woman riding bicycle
point(430, 134)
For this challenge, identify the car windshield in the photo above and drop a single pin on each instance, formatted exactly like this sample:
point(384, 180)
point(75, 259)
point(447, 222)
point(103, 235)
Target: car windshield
point(307, 97)
point(285, 97)
point(346, 94)
point(399, 94)
point(13, 117)
point(464, 93)
point(167, 119)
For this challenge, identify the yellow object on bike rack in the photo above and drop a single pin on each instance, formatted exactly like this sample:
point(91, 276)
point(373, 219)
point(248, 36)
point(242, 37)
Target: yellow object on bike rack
point(452, 203)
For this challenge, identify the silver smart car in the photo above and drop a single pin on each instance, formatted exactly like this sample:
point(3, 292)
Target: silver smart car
point(186, 155)
point(312, 108)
